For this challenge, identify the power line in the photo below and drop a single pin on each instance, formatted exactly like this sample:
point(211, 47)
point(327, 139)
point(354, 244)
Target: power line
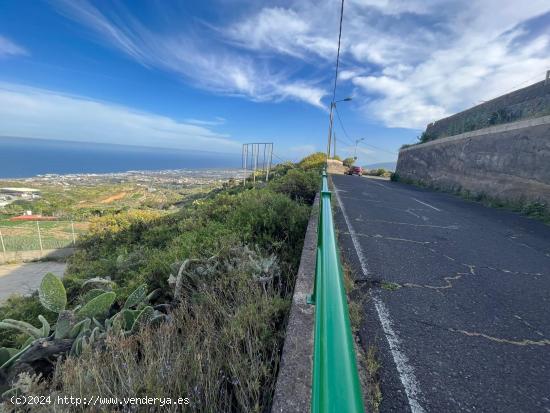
point(283, 160)
point(376, 147)
point(338, 52)
point(350, 140)
point(342, 126)
point(332, 103)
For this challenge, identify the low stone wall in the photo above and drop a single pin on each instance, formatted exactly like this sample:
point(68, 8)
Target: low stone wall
point(293, 389)
point(9, 257)
point(508, 162)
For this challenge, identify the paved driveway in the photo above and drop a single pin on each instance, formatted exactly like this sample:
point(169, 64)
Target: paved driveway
point(25, 278)
point(456, 297)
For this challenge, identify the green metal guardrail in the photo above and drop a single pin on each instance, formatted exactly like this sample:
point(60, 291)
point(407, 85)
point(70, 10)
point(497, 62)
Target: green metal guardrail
point(336, 386)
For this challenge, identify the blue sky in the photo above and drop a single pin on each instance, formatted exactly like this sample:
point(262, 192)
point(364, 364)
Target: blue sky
point(211, 75)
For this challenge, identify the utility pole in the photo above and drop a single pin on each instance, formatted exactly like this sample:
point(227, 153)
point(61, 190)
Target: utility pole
point(334, 151)
point(331, 118)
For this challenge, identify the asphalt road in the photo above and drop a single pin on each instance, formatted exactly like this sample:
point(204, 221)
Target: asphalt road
point(456, 298)
point(26, 277)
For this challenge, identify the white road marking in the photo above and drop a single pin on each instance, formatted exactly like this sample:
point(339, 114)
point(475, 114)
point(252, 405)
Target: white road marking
point(354, 240)
point(404, 369)
point(428, 205)
point(383, 186)
point(412, 213)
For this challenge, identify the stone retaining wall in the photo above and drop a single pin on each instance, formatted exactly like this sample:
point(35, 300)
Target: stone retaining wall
point(508, 162)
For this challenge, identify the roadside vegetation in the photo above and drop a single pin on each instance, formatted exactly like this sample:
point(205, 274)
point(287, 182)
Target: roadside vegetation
point(377, 172)
point(190, 304)
point(532, 209)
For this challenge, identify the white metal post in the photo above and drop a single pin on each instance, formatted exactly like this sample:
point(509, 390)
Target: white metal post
point(269, 162)
point(255, 159)
point(39, 237)
point(74, 236)
point(2, 242)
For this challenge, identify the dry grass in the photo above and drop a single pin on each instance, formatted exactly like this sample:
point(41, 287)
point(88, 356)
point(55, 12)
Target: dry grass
point(220, 349)
point(373, 366)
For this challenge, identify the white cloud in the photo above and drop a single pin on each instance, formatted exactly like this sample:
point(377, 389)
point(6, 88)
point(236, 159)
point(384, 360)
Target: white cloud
point(203, 63)
point(9, 48)
point(396, 7)
point(214, 122)
point(349, 74)
point(284, 31)
point(40, 113)
point(424, 60)
point(410, 61)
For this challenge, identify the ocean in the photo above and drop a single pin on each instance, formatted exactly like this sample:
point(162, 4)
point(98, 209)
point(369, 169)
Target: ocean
point(22, 157)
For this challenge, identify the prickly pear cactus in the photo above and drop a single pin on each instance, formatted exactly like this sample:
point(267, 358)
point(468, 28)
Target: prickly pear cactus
point(22, 326)
point(137, 297)
point(90, 295)
point(52, 293)
point(6, 354)
point(65, 322)
point(143, 318)
point(98, 306)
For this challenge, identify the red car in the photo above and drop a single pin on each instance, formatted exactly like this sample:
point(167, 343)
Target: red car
point(355, 170)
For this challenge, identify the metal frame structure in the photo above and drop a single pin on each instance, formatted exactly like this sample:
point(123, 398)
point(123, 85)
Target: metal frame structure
point(251, 152)
point(336, 385)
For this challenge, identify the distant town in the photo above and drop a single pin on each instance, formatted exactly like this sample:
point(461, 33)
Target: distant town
point(151, 180)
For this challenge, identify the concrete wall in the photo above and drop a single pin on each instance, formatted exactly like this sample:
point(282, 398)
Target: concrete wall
point(509, 161)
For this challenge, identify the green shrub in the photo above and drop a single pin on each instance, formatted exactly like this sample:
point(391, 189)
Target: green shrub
point(426, 137)
point(316, 160)
point(299, 185)
point(226, 332)
point(348, 162)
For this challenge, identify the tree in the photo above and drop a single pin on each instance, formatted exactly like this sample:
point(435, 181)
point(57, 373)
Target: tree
point(349, 162)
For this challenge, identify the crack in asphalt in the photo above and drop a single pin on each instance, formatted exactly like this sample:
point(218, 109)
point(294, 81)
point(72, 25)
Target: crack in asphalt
point(389, 238)
point(535, 330)
point(524, 342)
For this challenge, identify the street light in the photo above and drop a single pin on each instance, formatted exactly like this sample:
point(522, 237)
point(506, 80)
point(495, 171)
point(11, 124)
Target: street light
point(356, 143)
point(331, 118)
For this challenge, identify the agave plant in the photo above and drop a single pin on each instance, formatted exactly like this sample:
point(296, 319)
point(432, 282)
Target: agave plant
point(190, 273)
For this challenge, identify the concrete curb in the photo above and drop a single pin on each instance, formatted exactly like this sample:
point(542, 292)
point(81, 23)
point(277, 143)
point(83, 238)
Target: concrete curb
point(293, 388)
